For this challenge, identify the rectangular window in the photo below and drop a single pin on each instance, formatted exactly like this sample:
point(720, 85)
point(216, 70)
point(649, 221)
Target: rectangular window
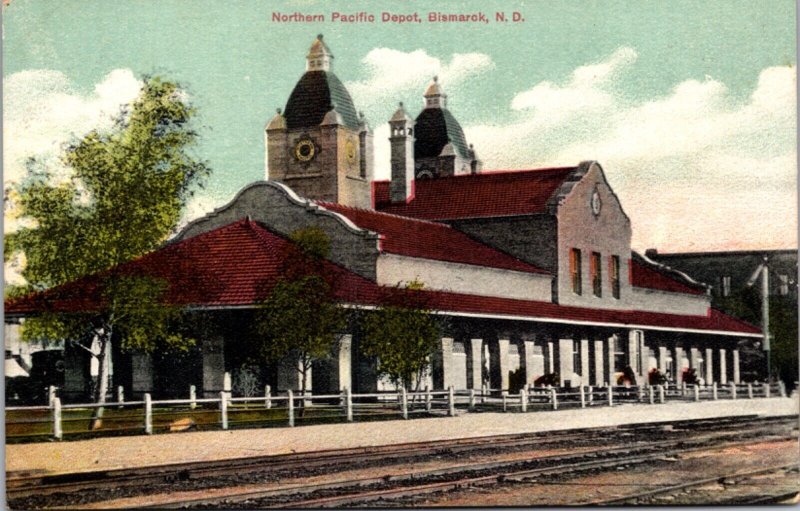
point(620, 358)
point(783, 285)
point(595, 270)
point(614, 275)
point(576, 357)
point(575, 270)
point(725, 285)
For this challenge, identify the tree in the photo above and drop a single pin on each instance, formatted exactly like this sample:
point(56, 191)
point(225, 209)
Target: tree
point(128, 187)
point(403, 335)
point(300, 319)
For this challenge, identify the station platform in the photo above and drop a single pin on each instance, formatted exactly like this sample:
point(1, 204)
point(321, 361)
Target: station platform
point(144, 450)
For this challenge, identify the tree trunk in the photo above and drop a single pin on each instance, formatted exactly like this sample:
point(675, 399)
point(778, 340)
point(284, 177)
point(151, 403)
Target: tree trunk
point(102, 378)
point(304, 364)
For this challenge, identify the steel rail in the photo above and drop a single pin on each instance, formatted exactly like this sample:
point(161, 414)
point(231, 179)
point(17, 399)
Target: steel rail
point(21, 486)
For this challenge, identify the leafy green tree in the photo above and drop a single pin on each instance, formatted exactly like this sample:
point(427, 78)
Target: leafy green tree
point(300, 319)
point(403, 335)
point(746, 304)
point(128, 187)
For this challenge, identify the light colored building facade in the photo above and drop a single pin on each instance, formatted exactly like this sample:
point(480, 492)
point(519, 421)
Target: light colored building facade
point(533, 268)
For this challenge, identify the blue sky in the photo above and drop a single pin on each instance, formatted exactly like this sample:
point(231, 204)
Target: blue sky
point(688, 105)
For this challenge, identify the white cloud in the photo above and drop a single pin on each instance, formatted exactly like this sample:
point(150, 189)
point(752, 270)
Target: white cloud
point(43, 112)
point(695, 168)
point(393, 75)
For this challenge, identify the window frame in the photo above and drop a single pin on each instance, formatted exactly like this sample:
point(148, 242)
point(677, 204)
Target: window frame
point(614, 275)
point(575, 271)
point(596, 273)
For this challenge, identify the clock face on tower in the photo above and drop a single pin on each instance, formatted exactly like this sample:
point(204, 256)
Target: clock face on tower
point(596, 203)
point(305, 150)
point(350, 152)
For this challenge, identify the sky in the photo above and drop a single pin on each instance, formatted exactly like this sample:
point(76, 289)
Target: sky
point(688, 106)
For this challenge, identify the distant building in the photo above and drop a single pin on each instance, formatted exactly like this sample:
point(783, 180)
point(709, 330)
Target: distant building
point(533, 268)
point(728, 272)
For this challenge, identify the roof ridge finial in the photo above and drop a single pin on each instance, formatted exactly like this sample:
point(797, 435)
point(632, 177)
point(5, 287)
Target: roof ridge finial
point(319, 36)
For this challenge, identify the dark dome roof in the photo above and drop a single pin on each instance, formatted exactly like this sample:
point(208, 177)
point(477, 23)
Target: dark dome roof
point(435, 127)
point(315, 95)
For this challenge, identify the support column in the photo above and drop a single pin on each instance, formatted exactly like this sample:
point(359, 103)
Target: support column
point(663, 354)
point(709, 366)
point(599, 372)
point(532, 367)
point(633, 352)
point(142, 373)
point(549, 357)
point(498, 364)
point(584, 362)
point(475, 364)
point(345, 362)
point(443, 364)
point(723, 366)
point(694, 361)
point(677, 363)
point(565, 366)
point(610, 362)
point(736, 378)
point(213, 366)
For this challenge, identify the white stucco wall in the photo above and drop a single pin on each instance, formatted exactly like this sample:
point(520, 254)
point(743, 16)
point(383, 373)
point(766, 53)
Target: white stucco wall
point(672, 303)
point(463, 278)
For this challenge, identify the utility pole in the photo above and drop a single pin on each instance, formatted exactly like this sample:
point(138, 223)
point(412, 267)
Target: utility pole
point(765, 314)
point(763, 271)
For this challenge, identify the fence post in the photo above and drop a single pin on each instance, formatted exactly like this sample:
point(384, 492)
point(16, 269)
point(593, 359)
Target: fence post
point(696, 392)
point(58, 433)
point(226, 382)
point(639, 393)
point(348, 404)
point(714, 391)
point(766, 390)
point(661, 394)
point(651, 394)
point(120, 394)
point(483, 393)
point(554, 398)
point(148, 414)
point(192, 397)
point(51, 395)
point(523, 400)
point(733, 390)
point(610, 395)
point(750, 391)
point(782, 388)
point(591, 394)
point(290, 407)
point(223, 408)
point(404, 402)
point(268, 396)
point(471, 399)
point(504, 394)
point(428, 399)
point(683, 388)
point(583, 397)
point(451, 402)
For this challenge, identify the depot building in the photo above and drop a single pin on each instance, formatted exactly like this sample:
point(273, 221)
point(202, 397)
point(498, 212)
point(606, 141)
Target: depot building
point(532, 268)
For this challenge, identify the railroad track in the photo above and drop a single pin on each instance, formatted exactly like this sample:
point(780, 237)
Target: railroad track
point(653, 496)
point(719, 429)
point(361, 491)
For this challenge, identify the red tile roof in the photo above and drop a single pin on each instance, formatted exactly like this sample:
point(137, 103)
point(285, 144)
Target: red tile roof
point(643, 275)
point(429, 240)
point(234, 265)
point(495, 193)
point(484, 305)
point(237, 265)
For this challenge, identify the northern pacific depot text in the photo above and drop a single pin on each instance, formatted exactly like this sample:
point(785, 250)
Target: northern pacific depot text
point(399, 18)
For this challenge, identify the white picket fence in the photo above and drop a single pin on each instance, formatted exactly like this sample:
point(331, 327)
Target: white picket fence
point(289, 409)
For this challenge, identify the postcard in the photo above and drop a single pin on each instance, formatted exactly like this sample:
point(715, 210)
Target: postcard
point(305, 253)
